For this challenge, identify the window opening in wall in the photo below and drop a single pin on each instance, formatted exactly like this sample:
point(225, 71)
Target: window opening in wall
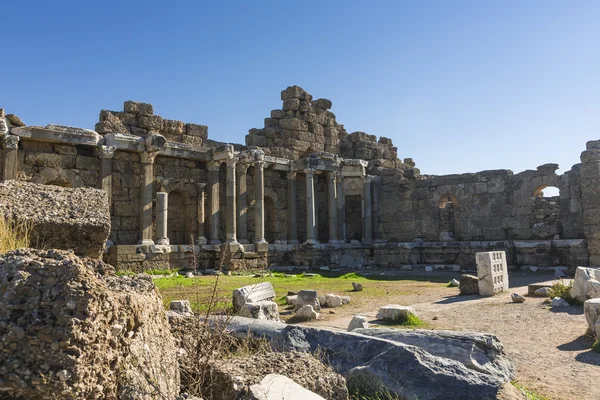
point(545, 220)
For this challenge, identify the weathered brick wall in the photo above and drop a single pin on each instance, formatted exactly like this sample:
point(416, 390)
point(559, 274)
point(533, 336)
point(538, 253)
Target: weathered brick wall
point(491, 205)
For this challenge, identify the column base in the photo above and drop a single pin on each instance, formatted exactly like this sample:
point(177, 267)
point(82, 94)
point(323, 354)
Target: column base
point(201, 241)
point(231, 241)
point(214, 241)
point(367, 241)
point(146, 242)
point(293, 241)
point(243, 241)
point(163, 242)
point(260, 241)
point(311, 241)
point(335, 241)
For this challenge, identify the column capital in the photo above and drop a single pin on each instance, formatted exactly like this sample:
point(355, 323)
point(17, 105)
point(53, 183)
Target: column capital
point(231, 162)
point(10, 142)
point(213, 165)
point(259, 164)
point(291, 175)
point(242, 168)
point(310, 171)
point(332, 175)
point(200, 186)
point(369, 178)
point(106, 151)
point(148, 157)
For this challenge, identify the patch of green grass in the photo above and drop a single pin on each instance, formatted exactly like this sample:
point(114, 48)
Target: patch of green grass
point(125, 273)
point(529, 395)
point(159, 271)
point(596, 346)
point(559, 289)
point(410, 321)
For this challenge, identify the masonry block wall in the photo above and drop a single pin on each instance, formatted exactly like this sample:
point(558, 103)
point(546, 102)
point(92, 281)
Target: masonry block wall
point(380, 202)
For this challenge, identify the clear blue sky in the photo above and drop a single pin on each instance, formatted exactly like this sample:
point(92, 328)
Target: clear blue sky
point(460, 86)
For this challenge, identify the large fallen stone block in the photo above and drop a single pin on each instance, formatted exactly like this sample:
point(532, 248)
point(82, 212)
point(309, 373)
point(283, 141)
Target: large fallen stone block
point(395, 312)
point(260, 310)
point(586, 284)
point(235, 380)
point(469, 284)
point(70, 328)
point(253, 293)
point(62, 218)
point(410, 364)
point(492, 272)
point(308, 298)
point(279, 387)
point(591, 309)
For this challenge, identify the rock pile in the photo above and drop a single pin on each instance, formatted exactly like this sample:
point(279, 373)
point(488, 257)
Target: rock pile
point(61, 218)
point(70, 328)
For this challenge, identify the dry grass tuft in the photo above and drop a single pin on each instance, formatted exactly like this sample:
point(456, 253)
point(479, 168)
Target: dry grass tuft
point(14, 234)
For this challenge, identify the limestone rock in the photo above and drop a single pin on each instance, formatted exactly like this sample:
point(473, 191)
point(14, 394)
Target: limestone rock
point(357, 286)
point(3, 126)
point(279, 387)
point(395, 312)
point(345, 299)
point(181, 306)
point(291, 299)
point(471, 366)
point(77, 324)
point(239, 379)
point(469, 284)
point(307, 313)
point(333, 300)
point(308, 297)
point(260, 310)
point(253, 293)
point(591, 309)
point(542, 292)
point(586, 284)
point(14, 120)
point(454, 283)
point(358, 321)
point(62, 218)
point(558, 302)
point(517, 298)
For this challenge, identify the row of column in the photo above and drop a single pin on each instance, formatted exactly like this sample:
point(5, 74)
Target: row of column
point(235, 208)
point(335, 199)
point(236, 203)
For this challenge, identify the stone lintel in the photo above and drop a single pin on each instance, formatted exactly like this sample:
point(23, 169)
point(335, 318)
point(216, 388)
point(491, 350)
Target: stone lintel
point(224, 152)
point(73, 136)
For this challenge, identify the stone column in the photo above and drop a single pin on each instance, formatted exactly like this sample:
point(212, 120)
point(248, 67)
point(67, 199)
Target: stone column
point(376, 185)
point(230, 202)
point(213, 179)
point(106, 154)
point(311, 218)
point(10, 146)
point(201, 239)
point(332, 202)
point(259, 207)
point(367, 212)
point(147, 160)
point(162, 204)
point(242, 203)
point(292, 208)
point(340, 208)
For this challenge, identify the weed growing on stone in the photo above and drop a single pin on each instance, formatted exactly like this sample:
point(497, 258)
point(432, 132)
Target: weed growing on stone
point(559, 289)
point(596, 346)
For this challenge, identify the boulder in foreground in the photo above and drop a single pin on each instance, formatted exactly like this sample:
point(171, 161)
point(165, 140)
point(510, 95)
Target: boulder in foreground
point(63, 218)
point(70, 328)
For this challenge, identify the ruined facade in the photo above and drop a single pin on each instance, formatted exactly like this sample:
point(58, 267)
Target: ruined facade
point(302, 192)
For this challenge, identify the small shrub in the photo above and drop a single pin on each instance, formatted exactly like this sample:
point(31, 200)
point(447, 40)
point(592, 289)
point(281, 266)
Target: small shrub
point(410, 321)
point(559, 289)
point(529, 395)
point(14, 234)
point(596, 346)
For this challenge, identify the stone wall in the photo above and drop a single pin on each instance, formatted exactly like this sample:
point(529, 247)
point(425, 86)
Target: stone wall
point(489, 205)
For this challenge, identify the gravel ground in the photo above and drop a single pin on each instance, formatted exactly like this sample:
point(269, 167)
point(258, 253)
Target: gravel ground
point(551, 353)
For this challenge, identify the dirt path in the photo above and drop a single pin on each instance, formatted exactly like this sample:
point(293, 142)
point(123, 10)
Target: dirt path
point(552, 357)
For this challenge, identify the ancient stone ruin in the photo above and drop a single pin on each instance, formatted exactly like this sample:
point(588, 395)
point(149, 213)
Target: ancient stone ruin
point(302, 192)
